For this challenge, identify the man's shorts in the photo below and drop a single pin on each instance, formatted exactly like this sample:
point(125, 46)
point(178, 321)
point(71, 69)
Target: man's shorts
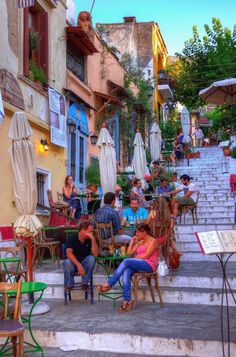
point(185, 201)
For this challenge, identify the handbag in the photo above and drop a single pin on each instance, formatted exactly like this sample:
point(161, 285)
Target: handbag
point(174, 259)
point(162, 269)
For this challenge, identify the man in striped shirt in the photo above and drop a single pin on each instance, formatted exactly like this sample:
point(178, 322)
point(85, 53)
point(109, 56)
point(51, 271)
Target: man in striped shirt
point(107, 214)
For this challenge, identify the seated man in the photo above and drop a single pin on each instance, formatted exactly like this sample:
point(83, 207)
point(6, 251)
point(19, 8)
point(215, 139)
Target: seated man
point(107, 214)
point(81, 250)
point(164, 187)
point(190, 194)
point(158, 172)
point(134, 214)
point(137, 193)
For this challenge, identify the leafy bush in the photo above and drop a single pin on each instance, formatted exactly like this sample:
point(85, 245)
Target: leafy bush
point(34, 40)
point(37, 73)
point(168, 130)
point(233, 153)
point(92, 174)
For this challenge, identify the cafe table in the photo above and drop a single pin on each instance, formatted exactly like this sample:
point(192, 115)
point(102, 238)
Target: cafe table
point(27, 288)
point(5, 262)
point(102, 261)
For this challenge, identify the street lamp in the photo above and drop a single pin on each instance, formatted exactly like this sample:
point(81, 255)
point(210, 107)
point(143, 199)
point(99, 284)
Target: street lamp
point(170, 107)
point(93, 138)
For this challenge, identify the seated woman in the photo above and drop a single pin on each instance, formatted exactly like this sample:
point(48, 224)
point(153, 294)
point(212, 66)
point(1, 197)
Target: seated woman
point(144, 247)
point(69, 195)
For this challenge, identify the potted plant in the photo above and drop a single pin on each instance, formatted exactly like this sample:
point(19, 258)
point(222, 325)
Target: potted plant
point(227, 151)
point(190, 154)
point(37, 74)
point(34, 43)
point(92, 175)
point(197, 154)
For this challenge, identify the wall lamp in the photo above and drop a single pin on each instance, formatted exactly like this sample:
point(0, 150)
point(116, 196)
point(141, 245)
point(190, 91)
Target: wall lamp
point(93, 138)
point(45, 144)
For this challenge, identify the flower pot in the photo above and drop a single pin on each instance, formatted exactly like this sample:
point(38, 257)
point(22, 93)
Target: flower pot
point(227, 151)
point(197, 155)
point(190, 155)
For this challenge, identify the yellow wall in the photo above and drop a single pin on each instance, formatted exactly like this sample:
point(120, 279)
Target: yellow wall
point(160, 56)
point(35, 99)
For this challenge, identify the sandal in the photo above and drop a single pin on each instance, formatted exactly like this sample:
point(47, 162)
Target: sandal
point(126, 306)
point(102, 288)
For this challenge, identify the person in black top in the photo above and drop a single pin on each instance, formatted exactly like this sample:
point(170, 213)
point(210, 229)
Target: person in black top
point(81, 250)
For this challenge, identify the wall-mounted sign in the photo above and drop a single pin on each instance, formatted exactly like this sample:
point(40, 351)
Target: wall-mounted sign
point(57, 118)
point(11, 91)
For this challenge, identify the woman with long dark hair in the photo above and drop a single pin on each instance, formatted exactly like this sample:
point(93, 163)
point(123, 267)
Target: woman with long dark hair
point(144, 247)
point(69, 195)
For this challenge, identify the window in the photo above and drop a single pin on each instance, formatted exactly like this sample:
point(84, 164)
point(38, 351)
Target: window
point(73, 155)
point(36, 43)
point(76, 64)
point(43, 185)
point(81, 159)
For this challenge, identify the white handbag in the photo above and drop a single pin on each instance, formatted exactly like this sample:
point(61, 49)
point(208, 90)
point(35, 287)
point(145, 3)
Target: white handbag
point(162, 269)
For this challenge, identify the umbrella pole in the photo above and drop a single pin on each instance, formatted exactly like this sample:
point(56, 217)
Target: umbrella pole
point(30, 266)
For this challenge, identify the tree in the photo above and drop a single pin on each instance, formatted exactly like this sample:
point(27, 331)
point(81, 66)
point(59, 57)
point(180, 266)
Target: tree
point(204, 61)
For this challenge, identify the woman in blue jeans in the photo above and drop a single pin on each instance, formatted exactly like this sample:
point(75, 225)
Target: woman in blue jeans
point(144, 247)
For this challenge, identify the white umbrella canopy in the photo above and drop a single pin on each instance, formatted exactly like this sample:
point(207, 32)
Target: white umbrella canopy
point(22, 158)
point(185, 122)
point(220, 92)
point(155, 142)
point(107, 161)
point(139, 159)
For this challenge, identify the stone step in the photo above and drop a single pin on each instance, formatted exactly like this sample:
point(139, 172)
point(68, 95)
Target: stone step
point(190, 228)
point(52, 352)
point(191, 255)
point(209, 220)
point(147, 329)
point(170, 294)
point(211, 210)
point(188, 245)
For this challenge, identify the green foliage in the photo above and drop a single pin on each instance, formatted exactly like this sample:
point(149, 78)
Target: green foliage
point(225, 137)
point(37, 73)
point(204, 61)
point(168, 129)
point(222, 117)
point(233, 153)
point(92, 174)
point(34, 40)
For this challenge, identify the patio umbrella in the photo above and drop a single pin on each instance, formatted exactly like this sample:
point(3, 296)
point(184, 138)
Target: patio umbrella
point(220, 92)
point(22, 158)
point(185, 122)
point(139, 159)
point(155, 142)
point(107, 160)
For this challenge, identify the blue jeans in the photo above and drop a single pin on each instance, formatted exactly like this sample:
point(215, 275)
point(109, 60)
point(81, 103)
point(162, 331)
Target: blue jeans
point(127, 268)
point(70, 268)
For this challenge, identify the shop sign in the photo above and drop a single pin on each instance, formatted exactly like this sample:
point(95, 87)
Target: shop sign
point(11, 91)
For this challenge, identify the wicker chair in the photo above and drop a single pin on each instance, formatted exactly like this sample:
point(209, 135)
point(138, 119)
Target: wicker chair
point(13, 328)
point(41, 243)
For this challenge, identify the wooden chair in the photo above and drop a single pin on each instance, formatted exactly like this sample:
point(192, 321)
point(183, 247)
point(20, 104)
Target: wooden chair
point(41, 243)
point(137, 277)
point(14, 270)
point(182, 210)
point(105, 235)
point(12, 328)
point(59, 205)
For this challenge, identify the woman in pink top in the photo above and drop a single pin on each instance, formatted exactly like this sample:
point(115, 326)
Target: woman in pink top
point(144, 247)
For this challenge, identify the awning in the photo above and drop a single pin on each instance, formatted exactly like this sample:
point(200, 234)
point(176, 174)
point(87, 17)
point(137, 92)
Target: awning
point(165, 91)
point(80, 40)
point(205, 122)
point(116, 89)
point(79, 99)
point(108, 98)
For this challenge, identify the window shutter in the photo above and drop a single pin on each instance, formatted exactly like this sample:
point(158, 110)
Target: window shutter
point(42, 28)
point(26, 42)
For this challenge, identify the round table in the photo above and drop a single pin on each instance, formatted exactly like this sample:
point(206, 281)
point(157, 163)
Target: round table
point(28, 288)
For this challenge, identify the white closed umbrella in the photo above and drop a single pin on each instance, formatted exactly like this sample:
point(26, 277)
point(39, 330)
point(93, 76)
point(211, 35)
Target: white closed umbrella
point(155, 142)
point(22, 157)
point(185, 123)
point(139, 158)
point(107, 161)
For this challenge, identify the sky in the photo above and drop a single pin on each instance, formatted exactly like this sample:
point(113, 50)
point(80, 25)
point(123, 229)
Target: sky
point(174, 17)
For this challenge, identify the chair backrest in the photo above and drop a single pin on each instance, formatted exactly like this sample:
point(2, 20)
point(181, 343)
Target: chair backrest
point(198, 195)
point(50, 198)
point(104, 232)
point(6, 287)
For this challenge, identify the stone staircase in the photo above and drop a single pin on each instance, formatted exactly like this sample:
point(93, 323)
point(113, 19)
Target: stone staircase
point(193, 288)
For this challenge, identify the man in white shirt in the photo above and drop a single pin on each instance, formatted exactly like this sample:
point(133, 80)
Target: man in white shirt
point(198, 136)
point(188, 199)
